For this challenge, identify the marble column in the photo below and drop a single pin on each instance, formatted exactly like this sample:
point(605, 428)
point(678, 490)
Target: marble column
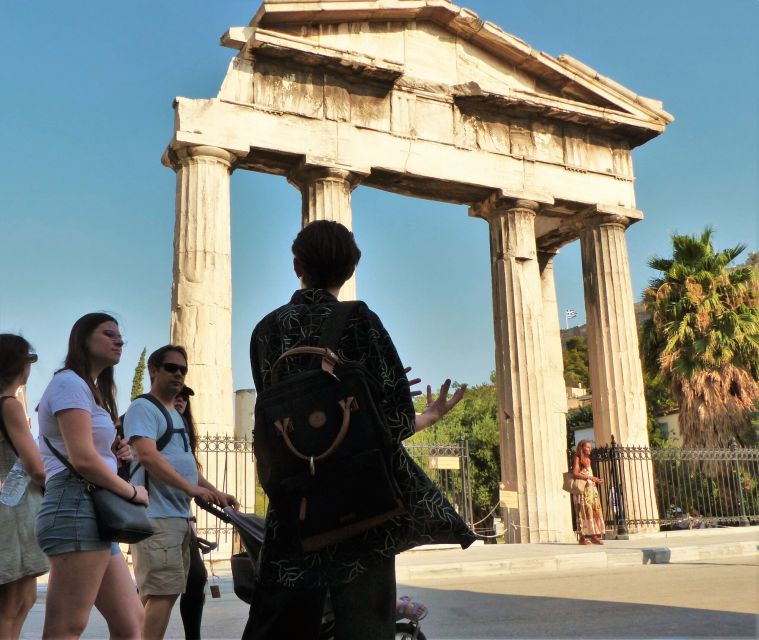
point(616, 375)
point(326, 195)
point(557, 393)
point(524, 415)
point(201, 296)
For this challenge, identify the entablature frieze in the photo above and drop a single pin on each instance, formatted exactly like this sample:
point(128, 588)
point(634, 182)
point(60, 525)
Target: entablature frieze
point(276, 142)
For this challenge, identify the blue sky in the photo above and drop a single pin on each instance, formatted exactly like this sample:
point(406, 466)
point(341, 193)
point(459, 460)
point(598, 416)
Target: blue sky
point(88, 210)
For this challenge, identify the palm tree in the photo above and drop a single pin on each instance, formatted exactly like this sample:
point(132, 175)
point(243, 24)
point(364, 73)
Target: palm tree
point(703, 337)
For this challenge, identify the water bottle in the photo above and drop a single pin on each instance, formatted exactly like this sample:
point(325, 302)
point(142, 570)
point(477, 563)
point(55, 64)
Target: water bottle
point(14, 486)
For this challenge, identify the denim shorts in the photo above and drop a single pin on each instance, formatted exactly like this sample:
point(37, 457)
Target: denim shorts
point(66, 521)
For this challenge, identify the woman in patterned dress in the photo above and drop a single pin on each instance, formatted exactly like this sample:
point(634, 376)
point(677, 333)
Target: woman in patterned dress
point(590, 519)
point(21, 559)
point(358, 573)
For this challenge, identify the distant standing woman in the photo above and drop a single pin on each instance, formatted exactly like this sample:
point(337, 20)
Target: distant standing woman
point(21, 560)
point(590, 519)
point(77, 413)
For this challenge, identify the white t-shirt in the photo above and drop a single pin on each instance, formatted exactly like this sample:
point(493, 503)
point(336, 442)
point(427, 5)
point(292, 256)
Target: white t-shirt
point(68, 391)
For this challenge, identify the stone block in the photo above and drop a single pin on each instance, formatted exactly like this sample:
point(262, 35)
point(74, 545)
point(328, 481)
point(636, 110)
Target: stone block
point(433, 120)
point(430, 53)
point(287, 88)
point(492, 74)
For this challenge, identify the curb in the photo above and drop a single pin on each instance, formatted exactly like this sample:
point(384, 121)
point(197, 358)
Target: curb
point(595, 560)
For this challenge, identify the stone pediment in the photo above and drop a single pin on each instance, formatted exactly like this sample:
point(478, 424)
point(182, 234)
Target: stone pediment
point(438, 48)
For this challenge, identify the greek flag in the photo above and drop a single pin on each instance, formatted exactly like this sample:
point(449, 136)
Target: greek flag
point(571, 313)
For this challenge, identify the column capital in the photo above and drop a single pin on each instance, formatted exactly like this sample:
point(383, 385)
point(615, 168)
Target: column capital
point(174, 158)
point(306, 173)
point(600, 215)
point(496, 206)
point(607, 219)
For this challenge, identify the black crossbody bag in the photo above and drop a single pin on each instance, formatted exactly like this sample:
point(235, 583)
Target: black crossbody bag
point(119, 520)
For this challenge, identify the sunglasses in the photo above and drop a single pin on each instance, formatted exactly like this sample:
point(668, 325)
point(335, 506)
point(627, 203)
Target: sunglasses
point(173, 368)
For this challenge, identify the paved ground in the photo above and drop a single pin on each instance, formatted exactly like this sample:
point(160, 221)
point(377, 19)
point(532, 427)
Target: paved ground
point(690, 584)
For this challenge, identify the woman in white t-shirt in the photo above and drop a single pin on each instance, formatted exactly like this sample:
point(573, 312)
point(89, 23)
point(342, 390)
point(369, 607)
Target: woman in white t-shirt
point(76, 414)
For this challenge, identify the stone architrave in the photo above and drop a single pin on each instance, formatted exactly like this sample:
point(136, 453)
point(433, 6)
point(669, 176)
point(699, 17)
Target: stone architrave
point(529, 455)
point(616, 378)
point(556, 387)
point(326, 195)
point(201, 297)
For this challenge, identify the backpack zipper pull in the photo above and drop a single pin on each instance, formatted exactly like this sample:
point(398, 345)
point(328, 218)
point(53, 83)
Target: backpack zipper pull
point(302, 512)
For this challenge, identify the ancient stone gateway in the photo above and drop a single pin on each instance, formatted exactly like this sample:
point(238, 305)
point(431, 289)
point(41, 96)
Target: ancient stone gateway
point(421, 97)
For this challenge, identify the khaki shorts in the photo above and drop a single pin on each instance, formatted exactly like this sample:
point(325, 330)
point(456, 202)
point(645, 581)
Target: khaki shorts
point(162, 561)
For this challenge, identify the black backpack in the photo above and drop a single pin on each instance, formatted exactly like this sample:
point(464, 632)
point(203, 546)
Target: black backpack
point(323, 450)
point(128, 472)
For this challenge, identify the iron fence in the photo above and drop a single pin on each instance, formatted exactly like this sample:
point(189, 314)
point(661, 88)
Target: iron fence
point(677, 488)
point(228, 463)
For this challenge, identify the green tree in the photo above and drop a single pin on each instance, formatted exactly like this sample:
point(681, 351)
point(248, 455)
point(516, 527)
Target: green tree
point(580, 418)
point(576, 371)
point(474, 418)
point(658, 398)
point(703, 337)
point(139, 376)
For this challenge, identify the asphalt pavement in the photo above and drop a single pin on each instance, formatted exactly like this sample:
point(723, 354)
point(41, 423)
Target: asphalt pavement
point(434, 573)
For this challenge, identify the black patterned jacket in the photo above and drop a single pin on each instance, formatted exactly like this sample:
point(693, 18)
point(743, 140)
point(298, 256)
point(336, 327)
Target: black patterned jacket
point(431, 518)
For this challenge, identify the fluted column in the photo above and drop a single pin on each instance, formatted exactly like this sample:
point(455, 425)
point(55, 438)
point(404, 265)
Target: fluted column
point(326, 195)
point(524, 416)
point(557, 439)
point(201, 295)
point(616, 376)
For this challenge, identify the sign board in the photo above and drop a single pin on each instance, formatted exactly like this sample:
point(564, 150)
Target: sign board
point(444, 462)
point(508, 499)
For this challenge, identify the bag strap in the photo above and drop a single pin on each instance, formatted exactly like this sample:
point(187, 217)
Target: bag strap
point(62, 458)
point(3, 428)
point(325, 356)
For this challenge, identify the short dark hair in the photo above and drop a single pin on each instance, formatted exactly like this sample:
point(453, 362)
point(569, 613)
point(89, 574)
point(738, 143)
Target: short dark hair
point(327, 253)
point(159, 355)
point(14, 354)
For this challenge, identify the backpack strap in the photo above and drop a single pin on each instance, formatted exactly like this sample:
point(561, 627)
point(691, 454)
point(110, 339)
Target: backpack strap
point(324, 354)
point(3, 428)
point(165, 437)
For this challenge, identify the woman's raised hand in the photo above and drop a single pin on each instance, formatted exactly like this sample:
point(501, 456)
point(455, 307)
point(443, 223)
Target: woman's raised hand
point(438, 407)
point(411, 383)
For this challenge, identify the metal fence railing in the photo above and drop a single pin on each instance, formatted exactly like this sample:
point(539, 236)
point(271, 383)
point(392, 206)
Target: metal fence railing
point(228, 463)
point(677, 488)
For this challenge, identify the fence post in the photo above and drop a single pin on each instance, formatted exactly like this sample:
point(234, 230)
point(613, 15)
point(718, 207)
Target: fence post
point(619, 498)
point(743, 520)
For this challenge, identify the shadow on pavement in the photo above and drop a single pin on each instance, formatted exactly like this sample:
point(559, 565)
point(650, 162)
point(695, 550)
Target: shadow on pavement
point(467, 614)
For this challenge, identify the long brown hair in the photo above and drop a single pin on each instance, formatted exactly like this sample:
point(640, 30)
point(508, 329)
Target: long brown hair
point(79, 361)
point(579, 453)
point(192, 429)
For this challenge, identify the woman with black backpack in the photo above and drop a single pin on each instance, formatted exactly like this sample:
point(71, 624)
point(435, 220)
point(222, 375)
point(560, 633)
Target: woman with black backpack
point(357, 572)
